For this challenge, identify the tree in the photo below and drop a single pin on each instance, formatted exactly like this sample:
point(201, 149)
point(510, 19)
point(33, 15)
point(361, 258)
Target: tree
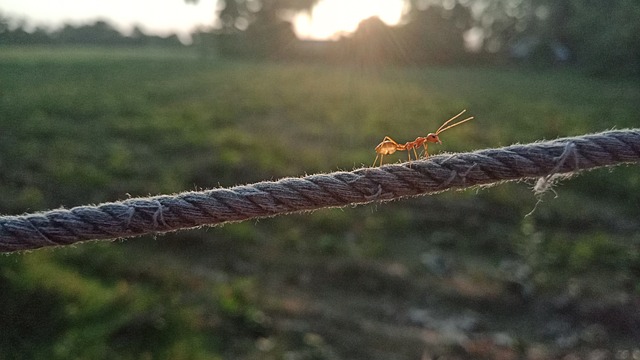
point(435, 35)
point(257, 27)
point(237, 15)
point(100, 32)
point(373, 43)
point(605, 35)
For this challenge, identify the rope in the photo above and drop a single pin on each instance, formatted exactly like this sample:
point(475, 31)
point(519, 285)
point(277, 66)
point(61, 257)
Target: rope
point(159, 214)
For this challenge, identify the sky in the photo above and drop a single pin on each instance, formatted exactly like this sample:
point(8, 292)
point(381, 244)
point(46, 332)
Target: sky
point(155, 16)
point(328, 19)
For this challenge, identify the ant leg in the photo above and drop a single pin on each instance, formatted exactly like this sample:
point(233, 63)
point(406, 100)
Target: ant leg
point(374, 161)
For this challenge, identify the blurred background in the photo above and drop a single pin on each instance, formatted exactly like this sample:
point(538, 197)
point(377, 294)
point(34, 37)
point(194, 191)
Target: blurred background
point(101, 101)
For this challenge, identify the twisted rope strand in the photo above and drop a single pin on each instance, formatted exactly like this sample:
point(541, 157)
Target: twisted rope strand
point(166, 213)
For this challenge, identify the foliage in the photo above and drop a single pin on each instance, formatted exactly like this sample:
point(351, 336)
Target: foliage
point(237, 15)
point(52, 310)
point(605, 36)
point(598, 36)
point(539, 32)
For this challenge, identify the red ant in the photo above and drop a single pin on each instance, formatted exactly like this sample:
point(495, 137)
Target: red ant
point(388, 146)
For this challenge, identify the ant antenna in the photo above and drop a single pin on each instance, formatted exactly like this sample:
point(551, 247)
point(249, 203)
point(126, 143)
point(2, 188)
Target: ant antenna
point(443, 128)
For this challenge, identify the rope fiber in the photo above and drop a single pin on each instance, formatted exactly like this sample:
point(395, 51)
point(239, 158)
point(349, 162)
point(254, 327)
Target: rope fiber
point(164, 213)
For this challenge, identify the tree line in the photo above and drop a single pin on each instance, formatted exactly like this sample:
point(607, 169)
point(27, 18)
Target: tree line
point(600, 37)
point(99, 33)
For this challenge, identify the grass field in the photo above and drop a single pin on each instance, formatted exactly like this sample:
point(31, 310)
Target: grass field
point(462, 274)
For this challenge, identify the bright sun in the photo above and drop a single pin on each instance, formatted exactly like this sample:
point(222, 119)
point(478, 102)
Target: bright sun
point(331, 18)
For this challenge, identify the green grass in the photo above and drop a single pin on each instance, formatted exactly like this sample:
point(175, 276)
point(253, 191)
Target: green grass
point(82, 126)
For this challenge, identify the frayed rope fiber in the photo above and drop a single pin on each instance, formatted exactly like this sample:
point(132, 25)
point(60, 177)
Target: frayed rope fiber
point(159, 214)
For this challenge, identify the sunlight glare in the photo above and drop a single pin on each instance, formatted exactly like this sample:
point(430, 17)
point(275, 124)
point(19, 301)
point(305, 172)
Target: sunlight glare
point(330, 19)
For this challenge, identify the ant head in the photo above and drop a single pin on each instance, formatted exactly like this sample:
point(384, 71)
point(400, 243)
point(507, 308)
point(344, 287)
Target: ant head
point(433, 138)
